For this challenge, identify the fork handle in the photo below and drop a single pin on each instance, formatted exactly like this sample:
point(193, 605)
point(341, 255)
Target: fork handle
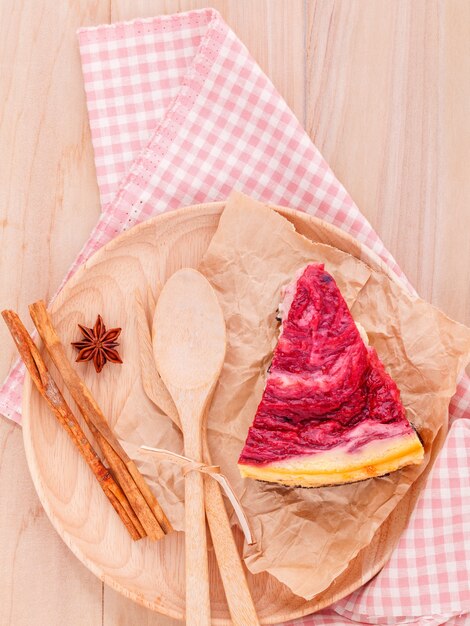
point(239, 600)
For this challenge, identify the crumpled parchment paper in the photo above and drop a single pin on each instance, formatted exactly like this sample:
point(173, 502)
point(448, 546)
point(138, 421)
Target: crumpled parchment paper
point(307, 537)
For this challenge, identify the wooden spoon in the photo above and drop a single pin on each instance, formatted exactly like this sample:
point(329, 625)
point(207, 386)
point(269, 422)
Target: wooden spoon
point(189, 349)
point(239, 600)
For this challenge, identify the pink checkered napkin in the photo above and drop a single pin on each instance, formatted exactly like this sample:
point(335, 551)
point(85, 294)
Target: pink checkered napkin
point(180, 114)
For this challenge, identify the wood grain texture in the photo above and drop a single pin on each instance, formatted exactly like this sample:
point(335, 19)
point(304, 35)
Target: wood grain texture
point(48, 191)
point(386, 98)
point(48, 204)
point(452, 254)
point(37, 567)
point(119, 611)
point(388, 105)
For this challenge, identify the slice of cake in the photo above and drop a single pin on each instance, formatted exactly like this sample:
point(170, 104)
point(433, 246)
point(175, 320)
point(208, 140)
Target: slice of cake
point(330, 413)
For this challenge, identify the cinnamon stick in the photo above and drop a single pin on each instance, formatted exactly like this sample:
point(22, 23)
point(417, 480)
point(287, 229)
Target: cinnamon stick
point(141, 498)
point(50, 392)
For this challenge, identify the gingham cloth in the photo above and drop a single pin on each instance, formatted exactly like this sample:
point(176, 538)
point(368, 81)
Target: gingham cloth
point(180, 114)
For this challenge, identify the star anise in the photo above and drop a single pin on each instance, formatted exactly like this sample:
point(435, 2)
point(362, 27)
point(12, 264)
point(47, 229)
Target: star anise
point(98, 345)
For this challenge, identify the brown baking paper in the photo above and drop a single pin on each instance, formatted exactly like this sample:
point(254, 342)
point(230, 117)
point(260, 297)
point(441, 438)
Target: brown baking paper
point(307, 537)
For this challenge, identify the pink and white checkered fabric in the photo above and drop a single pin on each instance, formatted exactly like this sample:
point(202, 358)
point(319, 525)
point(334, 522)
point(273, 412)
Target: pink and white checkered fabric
point(180, 114)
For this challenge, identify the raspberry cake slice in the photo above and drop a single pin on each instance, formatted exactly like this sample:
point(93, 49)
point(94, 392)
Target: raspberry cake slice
point(330, 414)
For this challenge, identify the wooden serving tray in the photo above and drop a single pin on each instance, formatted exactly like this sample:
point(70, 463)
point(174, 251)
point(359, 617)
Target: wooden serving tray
point(152, 574)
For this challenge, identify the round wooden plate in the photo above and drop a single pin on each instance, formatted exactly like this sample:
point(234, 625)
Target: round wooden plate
point(153, 573)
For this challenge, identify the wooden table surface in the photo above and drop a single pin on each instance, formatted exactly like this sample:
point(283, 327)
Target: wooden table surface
point(382, 87)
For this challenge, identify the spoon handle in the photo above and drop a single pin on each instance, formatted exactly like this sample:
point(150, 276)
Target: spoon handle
point(198, 608)
point(198, 611)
